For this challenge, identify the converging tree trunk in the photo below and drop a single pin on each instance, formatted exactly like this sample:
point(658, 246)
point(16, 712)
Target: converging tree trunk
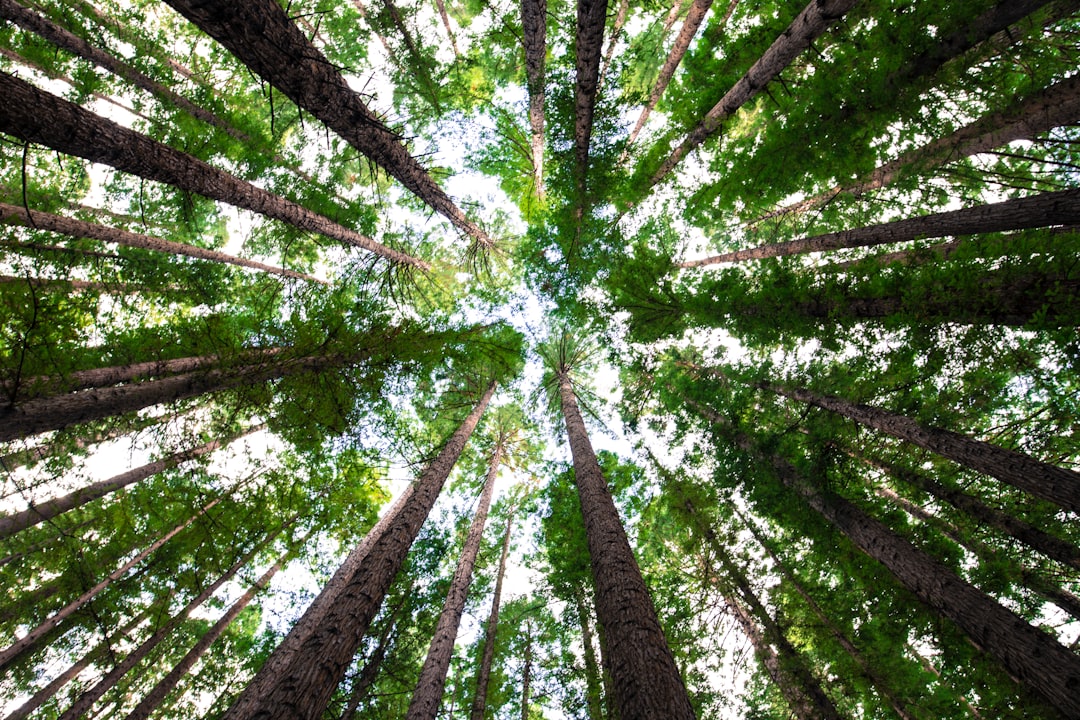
point(282, 55)
point(362, 683)
point(589, 44)
point(305, 680)
point(488, 655)
point(594, 691)
point(39, 117)
point(429, 689)
point(647, 681)
point(534, 38)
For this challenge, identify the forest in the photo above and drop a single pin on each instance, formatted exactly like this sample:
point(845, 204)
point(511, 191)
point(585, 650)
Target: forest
point(522, 359)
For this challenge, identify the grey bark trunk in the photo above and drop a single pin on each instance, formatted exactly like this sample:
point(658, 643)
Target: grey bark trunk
point(280, 53)
point(308, 676)
point(534, 38)
point(488, 655)
point(429, 689)
point(39, 117)
point(647, 681)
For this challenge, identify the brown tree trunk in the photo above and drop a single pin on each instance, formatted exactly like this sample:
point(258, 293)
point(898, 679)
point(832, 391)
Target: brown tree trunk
point(808, 25)
point(417, 66)
point(647, 681)
point(82, 705)
point(305, 680)
point(39, 117)
point(484, 675)
point(32, 639)
point(441, 5)
point(693, 21)
point(1026, 119)
point(589, 44)
point(526, 673)
point(534, 38)
point(39, 453)
point(616, 30)
point(362, 684)
point(1049, 482)
point(929, 667)
point(429, 689)
point(15, 215)
point(154, 698)
point(39, 513)
point(869, 672)
point(281, 54)
point(1044, 210)
point(593, 688)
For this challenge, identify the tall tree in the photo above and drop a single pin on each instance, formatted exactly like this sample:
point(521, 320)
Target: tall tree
point(534, 38)
point(483, 674)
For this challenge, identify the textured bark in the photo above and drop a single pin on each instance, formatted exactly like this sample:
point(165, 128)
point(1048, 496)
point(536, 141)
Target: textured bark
point(307, 677)
point(868, 670)
point(808, 25)
point(417, 66)
point(1049, 482)
point(593, 688)
point(484, 674)
point(263, 37)
point(32, 639)
point(85, 701)
point(15, 215)
point(1028, 118)
point(647, 681)
point(39, 513)
point(591, 16)
point(39, 117)
point(157, 694)
point(616, 30)
point(534, 38)
point(1044, 210)
point(693, 21)
point(362, 684)
point(429, 689)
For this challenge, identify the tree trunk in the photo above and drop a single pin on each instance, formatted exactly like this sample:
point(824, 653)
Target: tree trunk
point(441, 5)
point(307, 677)
point(1049, 482)
point(693, 21)
point(15, 215)
point(429, 689)
point(526, 673)
point(35, 514)
point(808, 25)
point(1044, 210)
point(39, 117)
point(85, 701)
point(593, 688)
point(39, 453)
point(534, 38)
point(261, 35)
point(869, 672)
point(647, 682)
point(616, 30)
point(929, 667)
point(154, 698)
point(417, 66)
point(591, 16)
point(484, 675)
point(1026, 119)
point(32, 639)
point(362, 684)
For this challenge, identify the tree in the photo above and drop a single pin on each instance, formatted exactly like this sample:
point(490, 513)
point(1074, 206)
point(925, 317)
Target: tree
point(491, 628)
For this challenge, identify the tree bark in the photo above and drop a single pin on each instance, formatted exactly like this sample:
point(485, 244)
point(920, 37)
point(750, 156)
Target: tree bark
point(39, 453)
point(807, 25)
point(488, 655)
point(429, 689)
point(1049, 482)
point(362, 684)
point(263, 37)
point(589, 44)
point(534, 38)
point(526, 673)
point(1026, 119)
point(593, 688)
point(39, 117)
point(647, 681)
point(15, 215)
point(307, 678)
point(1044, 210)
point(441, 5)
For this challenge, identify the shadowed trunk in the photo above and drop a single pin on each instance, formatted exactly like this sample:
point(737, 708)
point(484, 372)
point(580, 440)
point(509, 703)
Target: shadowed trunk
point(484, 674)
point(591, 16)
point(646, 679)
point(304, 679)
point(429, 689)
point(39, 117)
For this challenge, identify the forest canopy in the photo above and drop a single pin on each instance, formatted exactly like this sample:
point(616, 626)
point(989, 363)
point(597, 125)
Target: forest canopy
point(610, 360)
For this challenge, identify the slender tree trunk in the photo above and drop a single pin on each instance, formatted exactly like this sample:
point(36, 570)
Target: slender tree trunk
point(611, 708)
point(534, 38)
point(808, 25)
point(526, 673)
point(309, 675)
point(37, 547)
point(417, 66)
point(15, 215)
point(915, 256)
point(693, 21)
point(39, 117)
point(1045, 210)
point(362, 684)
point(32, 639)
point(593, 687)
point(1026, 119)
point(441, 5)
point(281, 54)
point(647, 681)
point(591, 16)
point(929, 667)
point(869, 671)
point(85, 701)
point(484, 675)
point(36, 514)
point(616, 30)
point(429, 690)
point(157, 695)
point(1049, 482)
point(39, 453)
